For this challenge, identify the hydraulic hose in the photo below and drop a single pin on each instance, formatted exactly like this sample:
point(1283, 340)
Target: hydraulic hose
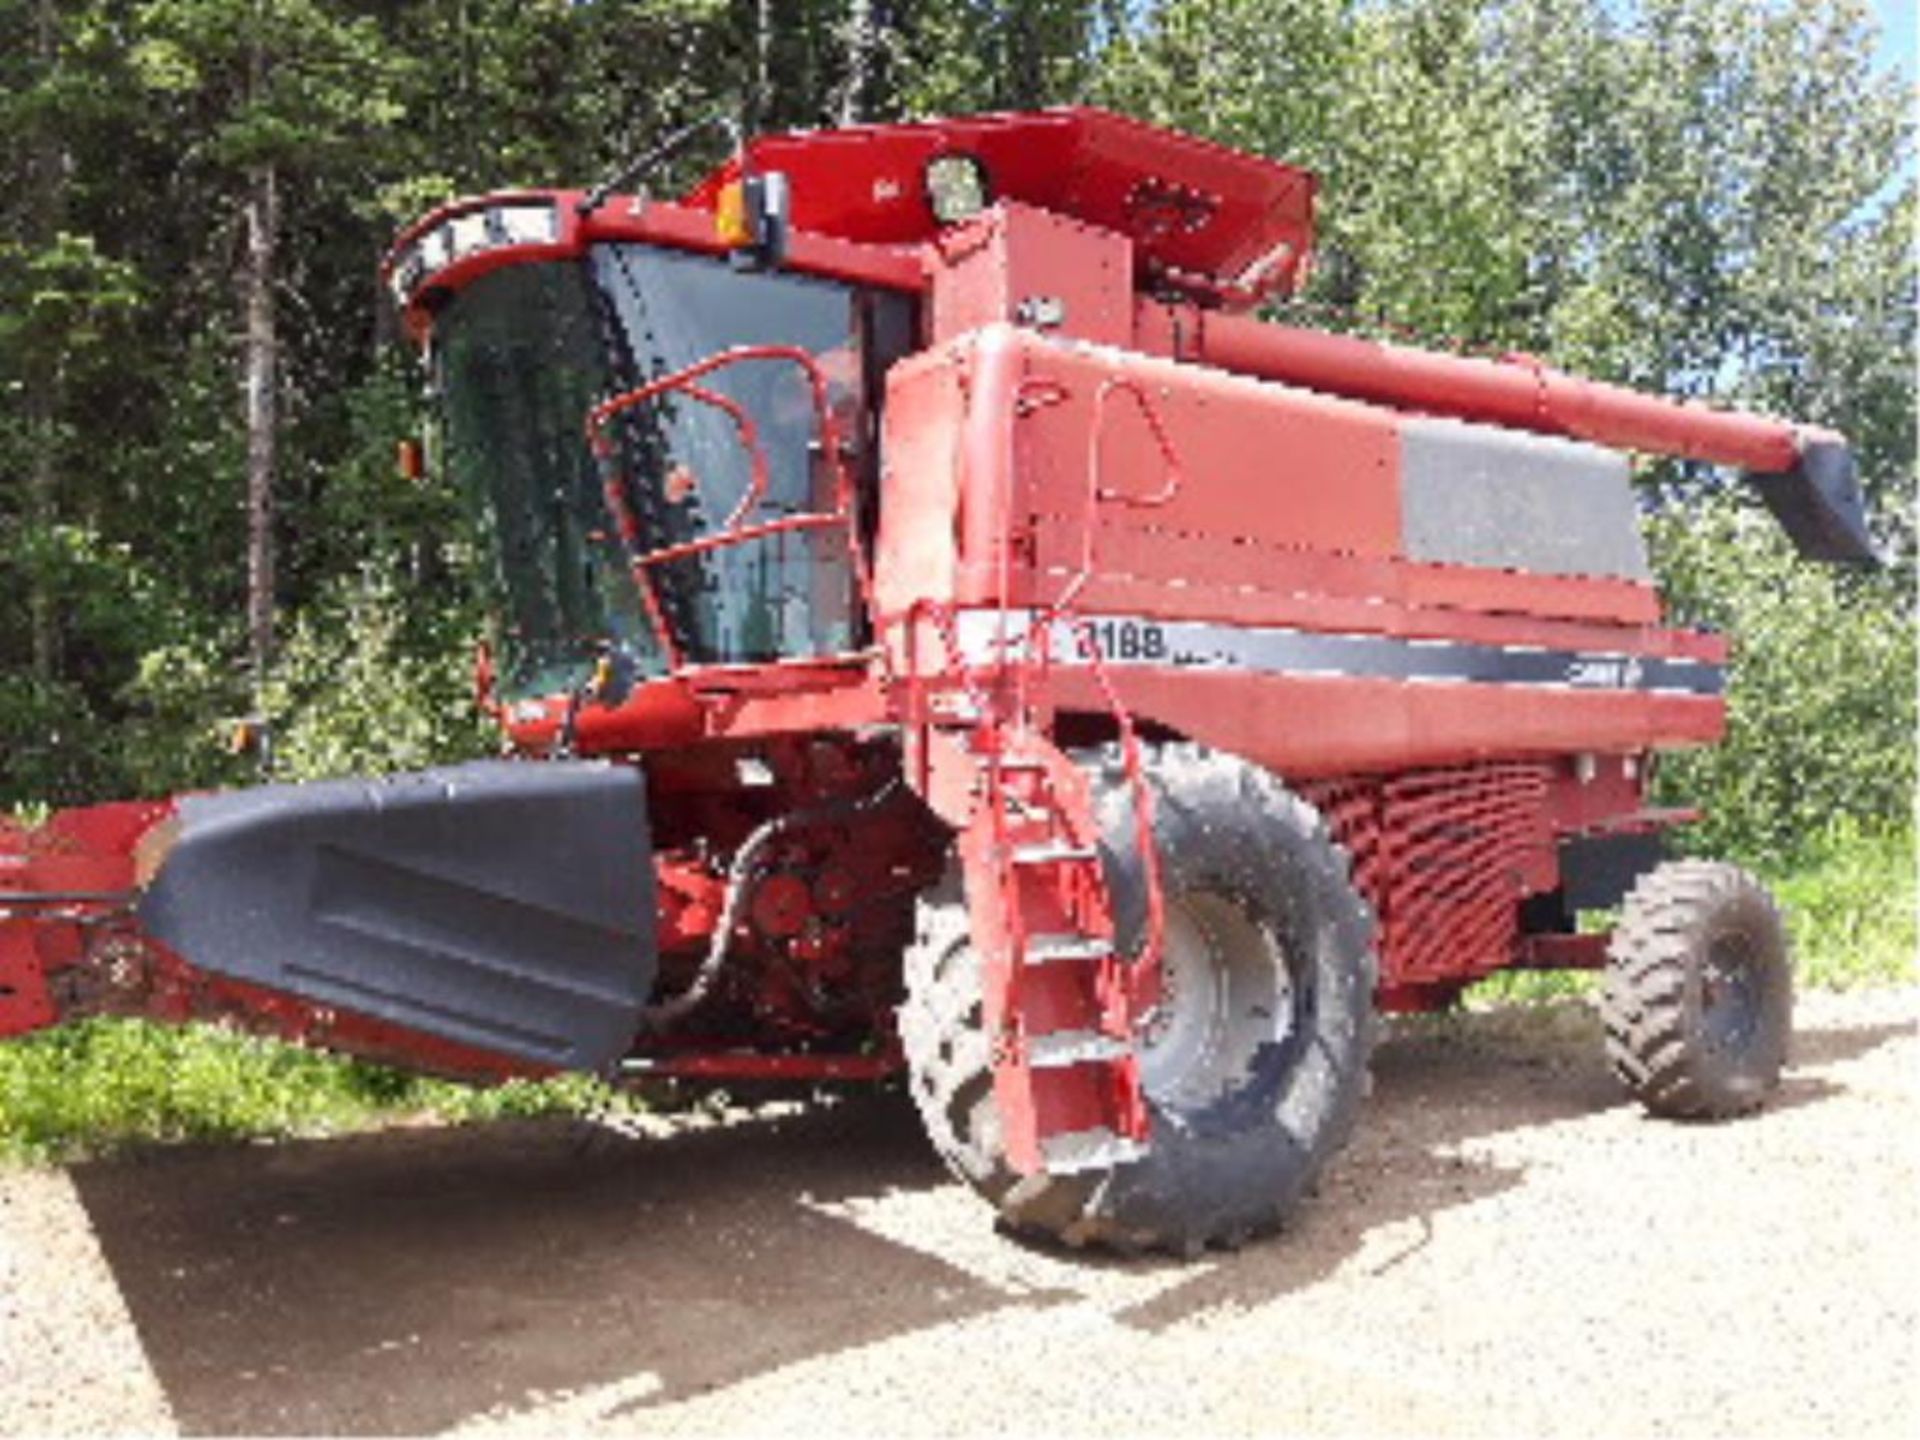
point(667, 1012)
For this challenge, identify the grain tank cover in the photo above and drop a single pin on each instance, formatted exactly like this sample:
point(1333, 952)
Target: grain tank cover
point(1214, 223)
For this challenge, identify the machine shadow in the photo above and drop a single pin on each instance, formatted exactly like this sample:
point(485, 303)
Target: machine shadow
point(399, 1283)
point(404, 1282)
point(1438, 1082)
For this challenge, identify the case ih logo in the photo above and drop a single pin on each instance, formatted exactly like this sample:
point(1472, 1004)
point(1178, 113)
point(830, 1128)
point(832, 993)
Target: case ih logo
point(1605, 672)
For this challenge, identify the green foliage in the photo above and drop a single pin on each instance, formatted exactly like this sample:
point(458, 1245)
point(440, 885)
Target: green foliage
point(102, 1084)
point(62, 301)
point(987, 55)
point(1821, 710)
point(375, 672)
point(291, 83)
point(351, 695)
point(186, 696)
point(115, 609)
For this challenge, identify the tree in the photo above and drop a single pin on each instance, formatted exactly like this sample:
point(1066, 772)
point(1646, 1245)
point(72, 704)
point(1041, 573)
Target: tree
point(1822, 703)
point(279, 90)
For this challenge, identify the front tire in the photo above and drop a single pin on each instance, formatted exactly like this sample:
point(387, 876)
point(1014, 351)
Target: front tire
point(1254, 1064)
point(1698, 1000)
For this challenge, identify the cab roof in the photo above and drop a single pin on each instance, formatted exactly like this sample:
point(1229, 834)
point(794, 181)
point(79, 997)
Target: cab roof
point(1201, 216)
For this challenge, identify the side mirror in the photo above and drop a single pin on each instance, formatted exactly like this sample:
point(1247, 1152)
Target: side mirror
point(252, 737)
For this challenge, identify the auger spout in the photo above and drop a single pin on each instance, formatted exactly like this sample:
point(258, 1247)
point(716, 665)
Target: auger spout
point(1805, 474)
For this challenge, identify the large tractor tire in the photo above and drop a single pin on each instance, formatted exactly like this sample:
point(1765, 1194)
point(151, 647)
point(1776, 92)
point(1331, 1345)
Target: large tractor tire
point(1698, 1001)
point(1254, 1064)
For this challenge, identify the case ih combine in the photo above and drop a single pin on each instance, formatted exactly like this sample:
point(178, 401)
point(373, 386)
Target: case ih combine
point(942, 632)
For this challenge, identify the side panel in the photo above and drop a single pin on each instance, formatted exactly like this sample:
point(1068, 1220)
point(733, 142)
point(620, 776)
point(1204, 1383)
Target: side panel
point(1241, 548)
point(1474, 495)
point(508, 907)
point(1015, 262)
point(1149, 445)
point(1308, 704)
point(922, 471)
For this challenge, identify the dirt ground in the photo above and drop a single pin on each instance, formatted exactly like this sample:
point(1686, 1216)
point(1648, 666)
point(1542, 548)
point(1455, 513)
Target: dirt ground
point(1508, 1248)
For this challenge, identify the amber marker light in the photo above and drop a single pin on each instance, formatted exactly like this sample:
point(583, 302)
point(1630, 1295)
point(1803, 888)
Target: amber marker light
point(730, 215)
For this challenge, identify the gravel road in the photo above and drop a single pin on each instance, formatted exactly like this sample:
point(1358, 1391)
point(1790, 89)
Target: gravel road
point(1508, 1248)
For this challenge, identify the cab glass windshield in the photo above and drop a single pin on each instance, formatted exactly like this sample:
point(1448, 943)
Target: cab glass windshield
point(525, 352)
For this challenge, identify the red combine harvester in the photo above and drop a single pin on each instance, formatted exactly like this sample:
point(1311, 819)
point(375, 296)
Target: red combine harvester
point(942, 632)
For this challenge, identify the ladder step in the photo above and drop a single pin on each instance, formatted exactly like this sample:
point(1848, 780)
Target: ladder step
point(1097, 1149)
point(1062, 1048)
point(1051, 853)
point(1049, 949)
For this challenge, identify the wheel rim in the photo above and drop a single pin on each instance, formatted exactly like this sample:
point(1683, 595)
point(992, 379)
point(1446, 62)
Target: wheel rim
point(1730, 994)
point(1226, 992)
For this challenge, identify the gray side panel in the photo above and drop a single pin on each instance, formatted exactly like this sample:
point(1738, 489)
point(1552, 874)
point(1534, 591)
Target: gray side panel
point(1476, 495)
point(506, 906)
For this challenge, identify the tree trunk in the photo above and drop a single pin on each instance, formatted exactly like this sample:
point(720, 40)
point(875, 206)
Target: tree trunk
point(761, 103)
point(853, 99)
point(261, 370)
point(43, 381)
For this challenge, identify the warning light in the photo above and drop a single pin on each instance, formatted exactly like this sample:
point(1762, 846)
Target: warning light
point(730, 215)
point(750, 216)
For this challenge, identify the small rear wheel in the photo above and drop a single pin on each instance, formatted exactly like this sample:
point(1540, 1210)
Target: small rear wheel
point(1698, 1000)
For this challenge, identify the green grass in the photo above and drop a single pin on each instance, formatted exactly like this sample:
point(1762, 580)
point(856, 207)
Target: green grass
point(104, 1084)
point(1850, 909)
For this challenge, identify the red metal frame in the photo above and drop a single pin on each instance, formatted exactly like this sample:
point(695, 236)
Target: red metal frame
point(1219, 223)
point(624, 219)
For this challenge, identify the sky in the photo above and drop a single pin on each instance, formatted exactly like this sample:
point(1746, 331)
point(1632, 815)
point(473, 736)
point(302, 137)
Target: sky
point(1897, 33)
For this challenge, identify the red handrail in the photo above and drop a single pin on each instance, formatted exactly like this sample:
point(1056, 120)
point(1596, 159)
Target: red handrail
point(734, 530)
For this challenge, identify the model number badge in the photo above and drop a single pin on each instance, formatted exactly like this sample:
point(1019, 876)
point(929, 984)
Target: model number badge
point(1604, 672)
point(1129, 640)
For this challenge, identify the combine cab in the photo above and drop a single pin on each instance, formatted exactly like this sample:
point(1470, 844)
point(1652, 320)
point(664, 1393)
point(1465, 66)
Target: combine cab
point(940, 633)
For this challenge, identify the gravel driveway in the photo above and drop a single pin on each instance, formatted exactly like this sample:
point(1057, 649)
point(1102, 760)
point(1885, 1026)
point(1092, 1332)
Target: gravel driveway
point(1507, 1248)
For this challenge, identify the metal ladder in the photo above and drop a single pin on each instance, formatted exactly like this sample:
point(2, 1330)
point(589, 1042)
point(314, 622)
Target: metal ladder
point(1060, 1003)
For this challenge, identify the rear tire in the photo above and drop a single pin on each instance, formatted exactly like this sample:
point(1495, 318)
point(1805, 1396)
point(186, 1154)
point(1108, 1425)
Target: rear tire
point(1698, 1000)
point(1254, 1065)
